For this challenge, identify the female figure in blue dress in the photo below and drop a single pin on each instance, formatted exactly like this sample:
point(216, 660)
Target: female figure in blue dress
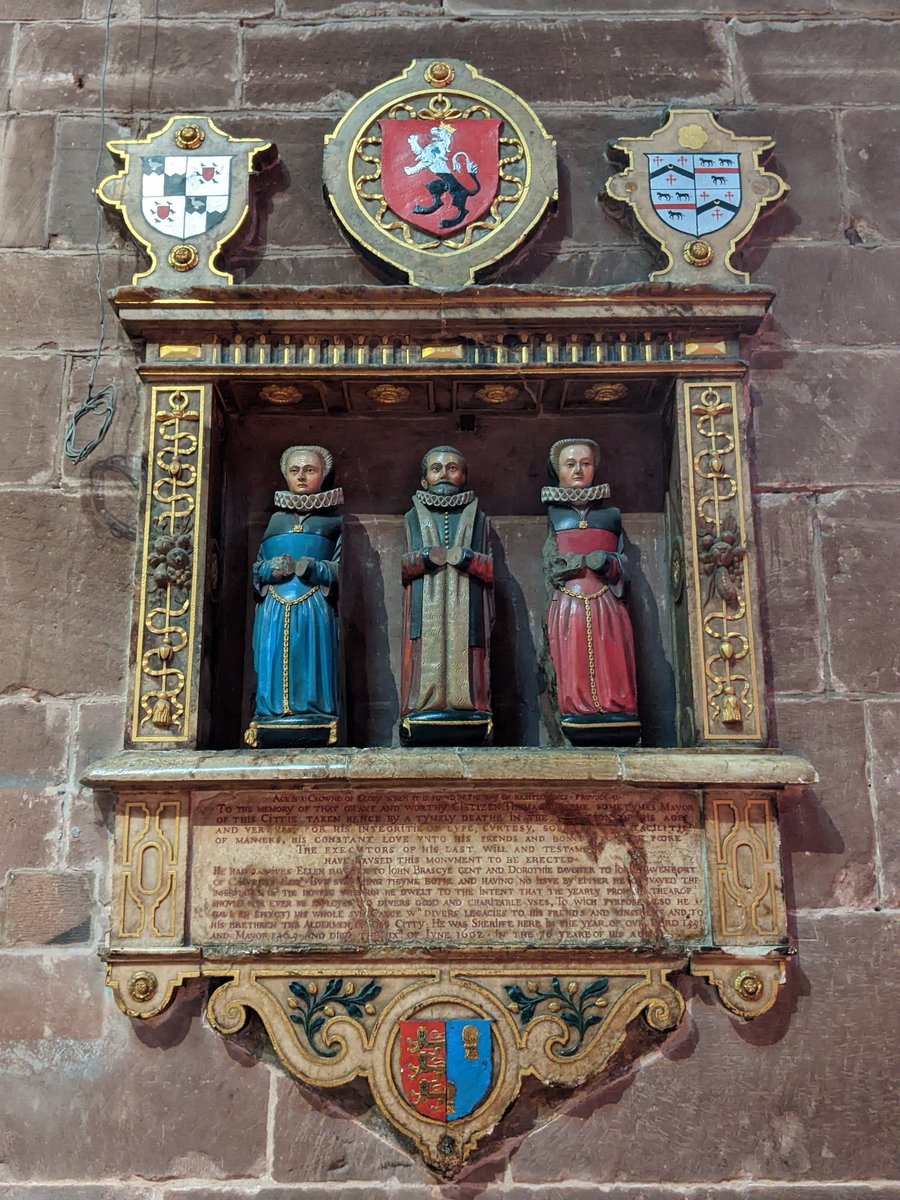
point(295, 633)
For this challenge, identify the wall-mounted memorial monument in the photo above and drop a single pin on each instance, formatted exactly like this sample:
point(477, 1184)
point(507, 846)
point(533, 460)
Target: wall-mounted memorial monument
point(448, 918)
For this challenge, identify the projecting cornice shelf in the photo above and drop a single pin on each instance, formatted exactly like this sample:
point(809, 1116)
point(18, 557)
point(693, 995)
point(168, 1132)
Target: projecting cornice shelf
point(266, 331)
point(189, 770)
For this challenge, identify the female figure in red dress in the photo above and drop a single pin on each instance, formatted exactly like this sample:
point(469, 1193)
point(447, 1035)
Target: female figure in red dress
point(588, 628)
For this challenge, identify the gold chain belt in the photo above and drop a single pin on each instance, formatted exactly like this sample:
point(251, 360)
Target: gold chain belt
point(286, 647)
point(589, 625)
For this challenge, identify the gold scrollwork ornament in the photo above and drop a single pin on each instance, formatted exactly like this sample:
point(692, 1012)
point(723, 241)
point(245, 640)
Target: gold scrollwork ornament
point(440, 172)
point(721, 584)
point(169, 562)
point(397, 1042)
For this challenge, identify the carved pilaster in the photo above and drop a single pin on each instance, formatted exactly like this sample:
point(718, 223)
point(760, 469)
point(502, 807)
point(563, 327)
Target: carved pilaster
point(719, 566)
point(170, 569)
point(149, 872)
point(744, 864)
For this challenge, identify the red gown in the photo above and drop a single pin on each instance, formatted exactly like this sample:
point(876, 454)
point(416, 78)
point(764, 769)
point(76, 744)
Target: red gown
point(589, 633)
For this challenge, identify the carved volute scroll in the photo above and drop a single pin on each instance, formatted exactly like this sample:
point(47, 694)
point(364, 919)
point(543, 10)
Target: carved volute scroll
point(397, 1026)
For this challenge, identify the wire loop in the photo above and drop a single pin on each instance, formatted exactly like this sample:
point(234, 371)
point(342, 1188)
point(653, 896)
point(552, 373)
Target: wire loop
point(103, 401)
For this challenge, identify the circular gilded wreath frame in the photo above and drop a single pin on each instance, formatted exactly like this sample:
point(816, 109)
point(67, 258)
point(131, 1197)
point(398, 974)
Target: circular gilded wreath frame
point(443, 266)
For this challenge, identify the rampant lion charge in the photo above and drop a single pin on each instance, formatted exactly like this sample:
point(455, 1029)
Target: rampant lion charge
point(434, 156)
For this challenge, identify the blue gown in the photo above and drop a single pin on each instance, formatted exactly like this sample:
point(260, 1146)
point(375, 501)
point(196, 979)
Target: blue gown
point(295, 634)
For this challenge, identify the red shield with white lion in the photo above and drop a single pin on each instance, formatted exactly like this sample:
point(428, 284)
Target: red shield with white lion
point(440, 175)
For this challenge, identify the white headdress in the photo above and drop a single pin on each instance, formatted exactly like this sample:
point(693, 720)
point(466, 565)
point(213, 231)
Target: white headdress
point(320, 452)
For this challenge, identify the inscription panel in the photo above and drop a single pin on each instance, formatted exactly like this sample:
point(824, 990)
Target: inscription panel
point(341, 869)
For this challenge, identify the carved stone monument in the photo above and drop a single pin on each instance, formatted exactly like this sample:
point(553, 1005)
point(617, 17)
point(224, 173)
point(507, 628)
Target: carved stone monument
point(445, 920)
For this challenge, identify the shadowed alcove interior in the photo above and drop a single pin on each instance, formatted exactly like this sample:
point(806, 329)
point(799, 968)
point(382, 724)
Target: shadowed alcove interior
point(377, 450)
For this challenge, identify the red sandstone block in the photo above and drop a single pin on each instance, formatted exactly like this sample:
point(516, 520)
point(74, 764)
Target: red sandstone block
point(827, 833)
point(337, 1136)
point(286, 66)
point(34, 738)
point(792, 617)
point(883, 719)
point(49, 10)
point(853, 290)
point(30, 391)
point(819, 63)
point(871, 175)
point(622, 8)
point(866, 8)
point(47, 908)
point(583, 217)
point(73, 207)
point(246, 10)
point(78, 645)
point(806, 156)
point(807, 426)
point(44, 998)
point(114, 468)
point(207, 1095)
point(861, 559)
point(542, 263)
point(572, 1190)
point(360, 9)
point(98, 732)
point(325, 268)
point(297, 215)
point(64, 287)
point(25, 164)
point(155, 67)
point(56, 1191)
point(811, 1065)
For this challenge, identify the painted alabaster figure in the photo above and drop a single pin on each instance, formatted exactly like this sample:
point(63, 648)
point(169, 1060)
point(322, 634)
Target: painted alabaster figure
point(589, 633)
point(295, 631)
point(448, 610)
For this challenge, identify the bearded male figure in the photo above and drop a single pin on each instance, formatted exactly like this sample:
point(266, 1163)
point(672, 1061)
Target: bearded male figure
point(448, 610)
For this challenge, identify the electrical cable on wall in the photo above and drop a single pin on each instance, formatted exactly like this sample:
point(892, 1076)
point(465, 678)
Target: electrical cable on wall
point(104, 401)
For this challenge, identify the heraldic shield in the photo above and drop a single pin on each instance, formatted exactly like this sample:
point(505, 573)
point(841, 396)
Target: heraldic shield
point(183, 196)
point(445, 1066)
point(695, 193)
point(440, 177)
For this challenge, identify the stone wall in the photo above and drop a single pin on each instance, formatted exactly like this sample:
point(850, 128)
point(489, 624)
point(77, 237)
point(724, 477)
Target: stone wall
point(798, 1103)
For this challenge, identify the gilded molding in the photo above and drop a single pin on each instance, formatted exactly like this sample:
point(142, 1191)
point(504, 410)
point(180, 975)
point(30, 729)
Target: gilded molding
point(747, 987)
point(697, 189)
point(183, 192)
point(361, 170)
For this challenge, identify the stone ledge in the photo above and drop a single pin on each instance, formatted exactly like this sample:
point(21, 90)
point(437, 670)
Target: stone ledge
point(152, 312)
point(189, 770)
